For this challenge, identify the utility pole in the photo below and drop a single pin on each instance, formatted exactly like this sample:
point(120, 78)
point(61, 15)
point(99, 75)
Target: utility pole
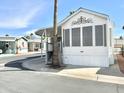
point(55, 57)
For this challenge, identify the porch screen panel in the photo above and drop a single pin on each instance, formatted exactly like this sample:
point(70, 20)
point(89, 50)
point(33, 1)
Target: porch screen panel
point(75, 36)
point(105, 42)
point(99, 35)
point(110, 37)
point(87, 36)
point(66, 37)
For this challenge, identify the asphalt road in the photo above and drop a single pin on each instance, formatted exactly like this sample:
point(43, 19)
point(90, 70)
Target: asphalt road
point(17, 80)
point(39, 82)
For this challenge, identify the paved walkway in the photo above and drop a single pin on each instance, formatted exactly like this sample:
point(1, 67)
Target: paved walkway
point(120, 60)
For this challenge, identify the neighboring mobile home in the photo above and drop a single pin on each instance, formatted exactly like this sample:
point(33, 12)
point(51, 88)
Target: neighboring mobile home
point(34, 45)
point(86, 38)
point(21, 45)
point(8, 45)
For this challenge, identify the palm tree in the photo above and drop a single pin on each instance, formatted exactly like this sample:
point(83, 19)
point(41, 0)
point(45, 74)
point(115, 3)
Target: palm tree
point(55, 59)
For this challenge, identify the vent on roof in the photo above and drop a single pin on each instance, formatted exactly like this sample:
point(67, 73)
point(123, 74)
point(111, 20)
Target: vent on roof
point(72, 12)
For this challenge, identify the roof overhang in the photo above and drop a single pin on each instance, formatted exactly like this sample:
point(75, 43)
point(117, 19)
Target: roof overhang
point(48, 31)
point(8, 39)
point(42, 30)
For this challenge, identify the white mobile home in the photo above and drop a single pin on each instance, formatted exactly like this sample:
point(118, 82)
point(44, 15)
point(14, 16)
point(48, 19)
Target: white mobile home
point(21, 45)
point(86, 38)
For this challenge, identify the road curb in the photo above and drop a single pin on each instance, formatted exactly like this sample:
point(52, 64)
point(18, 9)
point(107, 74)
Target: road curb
point(111, 79)
point(97, 77)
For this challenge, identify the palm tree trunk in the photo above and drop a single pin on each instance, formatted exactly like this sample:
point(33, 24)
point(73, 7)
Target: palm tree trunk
point(55, 59)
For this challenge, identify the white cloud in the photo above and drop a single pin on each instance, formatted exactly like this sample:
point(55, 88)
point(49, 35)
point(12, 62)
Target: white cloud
point(20, 16)
point(20, 21)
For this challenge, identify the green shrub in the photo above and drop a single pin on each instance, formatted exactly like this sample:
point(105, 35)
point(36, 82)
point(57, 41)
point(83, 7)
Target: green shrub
point(122, 50)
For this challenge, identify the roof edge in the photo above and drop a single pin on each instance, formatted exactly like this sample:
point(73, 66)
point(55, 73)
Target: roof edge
point(86, 10)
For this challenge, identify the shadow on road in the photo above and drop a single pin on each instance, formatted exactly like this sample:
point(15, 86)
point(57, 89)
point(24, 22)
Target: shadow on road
point(18, 64)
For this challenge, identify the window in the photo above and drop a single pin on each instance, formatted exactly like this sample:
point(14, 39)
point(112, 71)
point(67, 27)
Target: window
point(87, 36)
point(76, 37)
point(99, 35)
point(66, 37)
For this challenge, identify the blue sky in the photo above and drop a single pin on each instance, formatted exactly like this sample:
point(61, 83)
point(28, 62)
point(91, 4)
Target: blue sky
point(18, 17)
